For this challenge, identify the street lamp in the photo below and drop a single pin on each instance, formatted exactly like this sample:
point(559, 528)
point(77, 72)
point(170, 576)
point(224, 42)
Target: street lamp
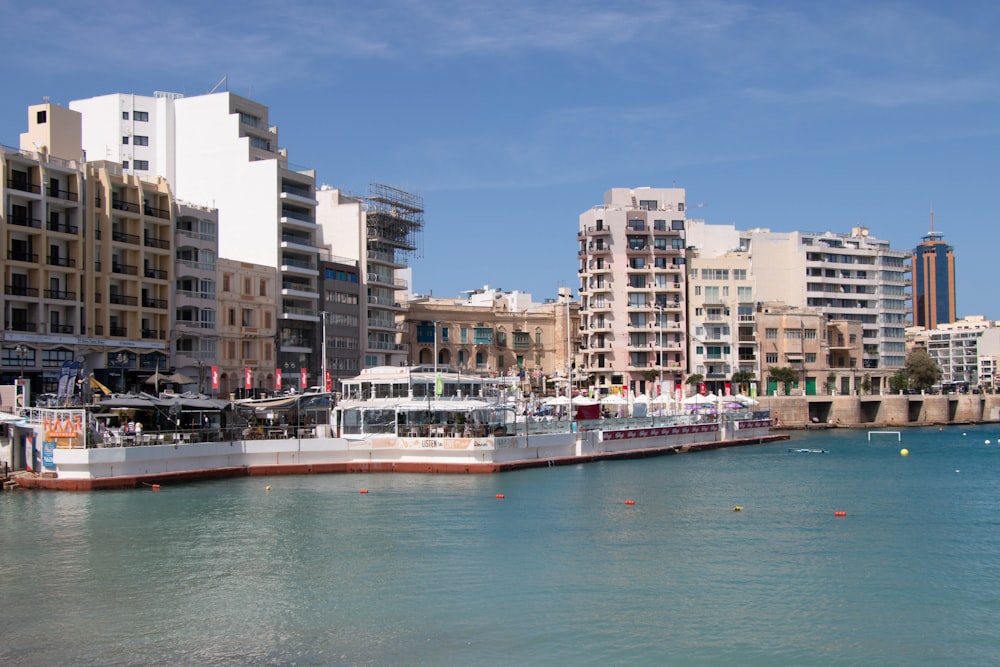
point(120, 360)
point(21, 352)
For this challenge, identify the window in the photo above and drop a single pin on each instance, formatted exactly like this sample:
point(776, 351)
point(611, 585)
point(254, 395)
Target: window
point(771, 357)
point(770, 333)
point(810, 357)
point(744, 294)
point(810, 334)
point(232, 317)
point(125, 141)
point(124, 115)
point(263, 287)
point(140, 140)
point(677, 225)
point(40, 117)
point(140, 115)
point(739, 274)
point(247, 317)
point(142, 165)
point(124, 164)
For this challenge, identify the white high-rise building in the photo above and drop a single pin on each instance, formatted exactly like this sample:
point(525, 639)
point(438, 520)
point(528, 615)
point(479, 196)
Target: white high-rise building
point(220, 150)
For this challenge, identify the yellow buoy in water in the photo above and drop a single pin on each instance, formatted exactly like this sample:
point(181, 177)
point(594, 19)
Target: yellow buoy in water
point(268, 488)
point(904, 452)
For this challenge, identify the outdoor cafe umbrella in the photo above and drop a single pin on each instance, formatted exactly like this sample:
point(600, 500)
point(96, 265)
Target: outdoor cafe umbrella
point(155, 379)
point(179, 378)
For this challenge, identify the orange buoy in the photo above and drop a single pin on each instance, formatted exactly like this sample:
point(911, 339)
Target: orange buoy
point(500, 496)
point(156, 487)
point(363, 491)
point(840, 513)
point(630, 502)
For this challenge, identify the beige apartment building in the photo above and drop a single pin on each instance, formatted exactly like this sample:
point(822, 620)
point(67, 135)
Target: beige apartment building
point(632, 290)
point(89, 261)
point(247, 363)
point(496, 334)
point(823, 353)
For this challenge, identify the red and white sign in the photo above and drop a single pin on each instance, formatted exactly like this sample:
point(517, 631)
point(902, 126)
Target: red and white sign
point(248, 378)
point(277, 379)
point(303, 379)
point(215, 377)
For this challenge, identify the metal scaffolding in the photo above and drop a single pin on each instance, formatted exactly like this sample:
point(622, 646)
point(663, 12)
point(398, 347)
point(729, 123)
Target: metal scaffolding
point(395, 219)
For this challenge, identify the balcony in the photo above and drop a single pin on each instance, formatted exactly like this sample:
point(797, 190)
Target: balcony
point(154, 274)
point(161, 213)
point(123, 300)
point(122, 237)
point(125, 269)
point(59, 260)
point(118, 332)
point(62, 194)
point(24, 221)
point(23, 186)
point(61, 328)
point(60, 294)
point(120, 205)
point(62, 228)
point(20, 256)
point(154, 334)
point(153, 242)
point(21, 325)
point(160, 304)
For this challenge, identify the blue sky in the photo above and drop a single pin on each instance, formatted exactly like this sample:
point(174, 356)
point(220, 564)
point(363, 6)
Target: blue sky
point(512, 117)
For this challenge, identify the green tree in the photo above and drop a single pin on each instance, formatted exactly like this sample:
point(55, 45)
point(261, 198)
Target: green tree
point(921, 371)
point(694, 379)
point(831, 383)
point(866, 383)
point(742, 378)
point(650, 375)
point(898, 382)
point(782, 375)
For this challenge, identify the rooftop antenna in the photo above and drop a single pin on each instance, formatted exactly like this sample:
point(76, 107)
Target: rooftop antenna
point(223, 80)
point(932, 218)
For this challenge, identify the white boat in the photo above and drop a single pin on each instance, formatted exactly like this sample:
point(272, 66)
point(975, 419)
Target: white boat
point(389, 419)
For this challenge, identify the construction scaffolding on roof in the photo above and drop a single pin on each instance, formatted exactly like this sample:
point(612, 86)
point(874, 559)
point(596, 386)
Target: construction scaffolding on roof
point(395, 219)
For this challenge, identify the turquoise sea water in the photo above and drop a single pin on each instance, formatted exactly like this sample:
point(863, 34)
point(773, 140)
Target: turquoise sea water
point(435, 570)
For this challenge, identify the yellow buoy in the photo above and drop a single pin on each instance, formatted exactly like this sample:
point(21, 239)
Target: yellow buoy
point(268, 488)
point(904, 452)
point(738, 508)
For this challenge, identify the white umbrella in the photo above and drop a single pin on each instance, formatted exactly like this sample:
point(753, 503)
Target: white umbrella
point(698, 399)
point(613, 399)
point(663, 399)
point(556, 400)
point(584, 400)
point(745, 400)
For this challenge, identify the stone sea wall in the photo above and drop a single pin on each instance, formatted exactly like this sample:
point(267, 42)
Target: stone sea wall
point(882, 410)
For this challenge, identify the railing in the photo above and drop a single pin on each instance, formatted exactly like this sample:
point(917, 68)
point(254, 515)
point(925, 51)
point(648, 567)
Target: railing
point(125, 238)
point(60, 294)
point(24, 221)
point(125, 269)
point(156, 334)
point(155, 274)
point(23, 186)
point(123, 300)
point(118, 331)
point(62, 227)
point(161, 213)
point(119, 205)
point(59, 260)
point(22, 256)
point(154, 303)
point(153, 242)
point(62, 194)
point(61, 328)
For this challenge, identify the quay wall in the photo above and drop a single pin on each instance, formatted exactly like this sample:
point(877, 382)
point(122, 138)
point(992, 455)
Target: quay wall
point(876, 411)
